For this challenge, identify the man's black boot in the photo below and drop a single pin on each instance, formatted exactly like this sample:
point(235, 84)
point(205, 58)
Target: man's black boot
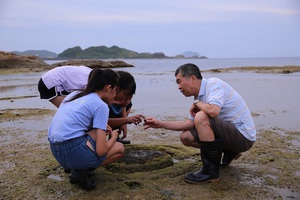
point(211, 153)
point(81, 177)
point(228, 157)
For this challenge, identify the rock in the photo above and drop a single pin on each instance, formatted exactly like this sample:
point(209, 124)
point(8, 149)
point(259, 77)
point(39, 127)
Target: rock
point(94, 63)
point(10, 60)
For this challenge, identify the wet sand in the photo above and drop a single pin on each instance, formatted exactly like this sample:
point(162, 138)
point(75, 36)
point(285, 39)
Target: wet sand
point(269, 170)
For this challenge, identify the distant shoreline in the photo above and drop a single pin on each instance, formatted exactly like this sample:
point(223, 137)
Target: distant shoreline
point(257, 69)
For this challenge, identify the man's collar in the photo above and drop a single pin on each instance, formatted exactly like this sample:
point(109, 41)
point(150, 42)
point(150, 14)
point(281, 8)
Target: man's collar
point(202, 87)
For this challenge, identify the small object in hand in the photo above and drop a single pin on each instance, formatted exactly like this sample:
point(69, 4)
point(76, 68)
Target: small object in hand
point(144, 119)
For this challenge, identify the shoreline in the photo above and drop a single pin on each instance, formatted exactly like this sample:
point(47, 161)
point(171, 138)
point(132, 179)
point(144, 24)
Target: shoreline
point(286, 69)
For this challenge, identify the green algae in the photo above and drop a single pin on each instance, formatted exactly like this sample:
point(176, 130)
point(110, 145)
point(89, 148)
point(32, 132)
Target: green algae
point(270, 170)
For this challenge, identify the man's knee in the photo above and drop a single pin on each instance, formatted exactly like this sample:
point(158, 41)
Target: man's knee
point(201, 118)
point(186, 138)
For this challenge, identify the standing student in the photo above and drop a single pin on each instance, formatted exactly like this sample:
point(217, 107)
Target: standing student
point(58, 82)
point(78, 132)
point(219, 121)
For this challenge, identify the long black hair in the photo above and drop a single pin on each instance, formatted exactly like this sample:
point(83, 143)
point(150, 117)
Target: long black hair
point(97, 80)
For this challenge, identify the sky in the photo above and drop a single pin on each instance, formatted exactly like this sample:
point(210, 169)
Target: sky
point(214, 28)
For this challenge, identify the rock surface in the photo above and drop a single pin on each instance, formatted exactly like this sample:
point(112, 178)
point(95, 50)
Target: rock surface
point(13, 61)
point(94, 63)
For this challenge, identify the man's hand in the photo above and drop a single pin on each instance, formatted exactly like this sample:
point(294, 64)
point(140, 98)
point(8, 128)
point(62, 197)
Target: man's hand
point(193, 110)
point(151, 122)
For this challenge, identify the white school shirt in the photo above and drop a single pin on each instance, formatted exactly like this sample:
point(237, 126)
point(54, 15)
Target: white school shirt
point(233, 107)
point(67, 78)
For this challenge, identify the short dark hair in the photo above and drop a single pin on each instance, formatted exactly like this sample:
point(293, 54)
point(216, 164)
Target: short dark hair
point(188, 70)
point(127, 83)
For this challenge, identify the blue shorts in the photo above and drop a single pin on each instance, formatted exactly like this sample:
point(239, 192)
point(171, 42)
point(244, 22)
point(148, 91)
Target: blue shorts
point(75, 154)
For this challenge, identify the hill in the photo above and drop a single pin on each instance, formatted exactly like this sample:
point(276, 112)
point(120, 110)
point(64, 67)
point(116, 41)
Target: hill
point(103, 52)
point(44, 54)
point(190, 54)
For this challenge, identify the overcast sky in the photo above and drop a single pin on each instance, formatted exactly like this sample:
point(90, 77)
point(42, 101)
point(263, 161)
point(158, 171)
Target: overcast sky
point(213, 28)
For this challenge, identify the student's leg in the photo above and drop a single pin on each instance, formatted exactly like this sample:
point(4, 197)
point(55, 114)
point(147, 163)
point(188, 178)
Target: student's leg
point(57, 100)
point(115, 153)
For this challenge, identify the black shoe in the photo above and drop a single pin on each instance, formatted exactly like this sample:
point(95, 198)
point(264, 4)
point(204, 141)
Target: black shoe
point(123, 141)
point(89, 172)
point(82, 179)
point(228, 157)
point(67, 171)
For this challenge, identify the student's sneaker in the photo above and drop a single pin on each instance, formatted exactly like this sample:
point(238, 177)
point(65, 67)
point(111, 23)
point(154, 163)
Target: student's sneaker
point(81, 178)
point(123, 141)
point(67, 171)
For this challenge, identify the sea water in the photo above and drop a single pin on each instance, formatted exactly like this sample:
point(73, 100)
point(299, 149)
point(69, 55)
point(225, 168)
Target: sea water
point(273, 97)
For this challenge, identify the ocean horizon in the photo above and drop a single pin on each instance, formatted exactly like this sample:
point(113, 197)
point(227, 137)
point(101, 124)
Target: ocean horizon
point(204, 64)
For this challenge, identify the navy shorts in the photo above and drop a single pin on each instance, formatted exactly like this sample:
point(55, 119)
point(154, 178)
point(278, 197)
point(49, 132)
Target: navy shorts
point(51, 93)
point(75, 154)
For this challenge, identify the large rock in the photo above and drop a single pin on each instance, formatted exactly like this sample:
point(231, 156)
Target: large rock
point(10, 60)
point(94, 63)
point(13, 61)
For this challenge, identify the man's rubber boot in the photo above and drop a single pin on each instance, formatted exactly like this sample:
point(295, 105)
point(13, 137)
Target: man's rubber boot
point(211, 153)
point(228, 157)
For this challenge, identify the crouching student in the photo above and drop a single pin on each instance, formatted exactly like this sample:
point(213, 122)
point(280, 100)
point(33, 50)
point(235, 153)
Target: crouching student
point(119, 111)
point(78, 132)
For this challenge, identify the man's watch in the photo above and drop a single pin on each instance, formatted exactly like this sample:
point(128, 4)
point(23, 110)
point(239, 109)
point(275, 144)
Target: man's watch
point(196, 101)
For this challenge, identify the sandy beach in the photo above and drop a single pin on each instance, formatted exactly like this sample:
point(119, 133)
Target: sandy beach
point(270, 170)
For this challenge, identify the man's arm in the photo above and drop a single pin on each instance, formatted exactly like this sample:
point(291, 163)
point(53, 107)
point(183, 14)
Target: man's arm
point(175, 126)
point(211, 109)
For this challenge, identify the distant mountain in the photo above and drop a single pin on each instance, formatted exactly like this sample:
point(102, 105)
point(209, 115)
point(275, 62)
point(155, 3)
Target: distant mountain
point(190, 54)
point(103, 52)
point(40, 53)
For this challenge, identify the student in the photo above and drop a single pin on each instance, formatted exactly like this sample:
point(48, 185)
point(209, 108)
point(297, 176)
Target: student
point(220, 121)
point(119, 111)
point(55, 84)
point(58, 82)
point(78, 132)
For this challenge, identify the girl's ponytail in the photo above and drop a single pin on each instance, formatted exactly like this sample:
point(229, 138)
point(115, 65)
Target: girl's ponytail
point(97, 80)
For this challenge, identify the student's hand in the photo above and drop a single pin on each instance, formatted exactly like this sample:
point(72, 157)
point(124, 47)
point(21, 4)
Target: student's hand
point(115, 134)
point(123, 131)
point(151, 122)
point(136, 119)
point(108, 130)
point(193, 110)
